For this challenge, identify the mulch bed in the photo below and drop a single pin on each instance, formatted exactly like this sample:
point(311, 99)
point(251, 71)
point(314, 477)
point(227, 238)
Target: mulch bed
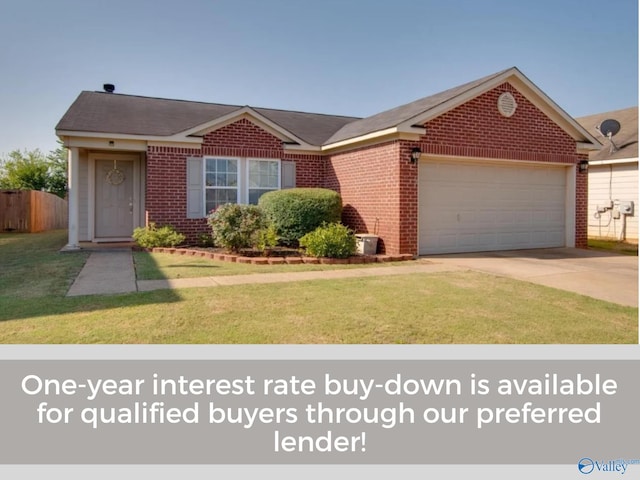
point(278, 256)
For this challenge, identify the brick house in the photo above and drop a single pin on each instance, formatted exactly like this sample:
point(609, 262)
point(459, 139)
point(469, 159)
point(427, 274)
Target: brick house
point(495, 166)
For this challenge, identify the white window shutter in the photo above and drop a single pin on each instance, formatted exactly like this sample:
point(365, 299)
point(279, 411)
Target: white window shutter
point(195, 188)
point(287, 174)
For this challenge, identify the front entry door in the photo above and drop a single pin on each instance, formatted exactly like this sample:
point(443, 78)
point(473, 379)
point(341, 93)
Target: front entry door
point(114, 199)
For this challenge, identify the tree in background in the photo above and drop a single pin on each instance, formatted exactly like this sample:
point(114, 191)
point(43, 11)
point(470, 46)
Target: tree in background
point(33, 170)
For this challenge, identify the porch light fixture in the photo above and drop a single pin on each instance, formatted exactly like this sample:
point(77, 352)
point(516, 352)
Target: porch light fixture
point(583, 166)
point(415, 155)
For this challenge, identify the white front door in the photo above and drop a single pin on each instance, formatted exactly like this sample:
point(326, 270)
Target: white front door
point(114, 207)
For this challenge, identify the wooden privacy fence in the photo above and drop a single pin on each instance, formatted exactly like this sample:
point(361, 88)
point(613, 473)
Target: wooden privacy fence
point(29, 211)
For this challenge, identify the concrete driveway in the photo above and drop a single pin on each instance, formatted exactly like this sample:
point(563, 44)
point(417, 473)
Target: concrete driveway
point(601, 275)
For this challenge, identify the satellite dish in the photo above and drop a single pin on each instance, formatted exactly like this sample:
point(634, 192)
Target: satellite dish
point(609, 127)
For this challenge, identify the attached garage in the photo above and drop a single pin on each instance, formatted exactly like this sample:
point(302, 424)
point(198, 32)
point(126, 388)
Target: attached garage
point(473, 206)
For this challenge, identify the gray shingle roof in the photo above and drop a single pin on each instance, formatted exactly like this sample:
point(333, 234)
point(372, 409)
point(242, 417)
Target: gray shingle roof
point(626, 139)
point(127, 114)
point(102, 112)
point(110, 113)
point(398, 115)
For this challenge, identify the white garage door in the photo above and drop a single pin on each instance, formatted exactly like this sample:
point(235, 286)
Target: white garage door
point(473, 207)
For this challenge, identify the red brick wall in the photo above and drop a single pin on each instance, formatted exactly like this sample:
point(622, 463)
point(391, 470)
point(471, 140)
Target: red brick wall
point(373, 193)
point(477, 129)
point(166, 171)
point(582, 203)
point(379, 185)
point(166, 193)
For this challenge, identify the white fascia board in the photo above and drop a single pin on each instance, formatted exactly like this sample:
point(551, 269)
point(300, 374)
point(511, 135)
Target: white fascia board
point(405, 133)
point(301, 148)
point(254, 117)
point(613, 161)
point(176, 144)
point(585, 147)
point(108, 143)
point(124, 136)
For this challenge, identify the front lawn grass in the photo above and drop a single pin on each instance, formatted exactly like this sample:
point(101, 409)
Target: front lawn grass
point(31, 264)
point(455, 307)
point(460, 307)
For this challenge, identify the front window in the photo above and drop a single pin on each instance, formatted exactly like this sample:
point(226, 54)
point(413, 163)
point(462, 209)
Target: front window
point(221, 182)
point(264, 176)
point(238, 180)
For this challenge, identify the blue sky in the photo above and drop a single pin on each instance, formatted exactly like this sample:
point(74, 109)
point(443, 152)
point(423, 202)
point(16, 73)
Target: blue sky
point(350, 57)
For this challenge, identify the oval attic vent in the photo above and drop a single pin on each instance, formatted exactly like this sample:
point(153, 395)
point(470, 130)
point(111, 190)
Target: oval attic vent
point(507, 104)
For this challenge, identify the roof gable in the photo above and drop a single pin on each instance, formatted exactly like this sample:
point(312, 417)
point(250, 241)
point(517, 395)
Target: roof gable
point(411, 116)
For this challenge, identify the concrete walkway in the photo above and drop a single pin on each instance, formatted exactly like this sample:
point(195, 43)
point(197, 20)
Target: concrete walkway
point(106, 271)
point(605, 276)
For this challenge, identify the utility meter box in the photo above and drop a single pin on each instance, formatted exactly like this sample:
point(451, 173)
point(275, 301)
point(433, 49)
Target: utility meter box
point(366, 243)
point(626, 207)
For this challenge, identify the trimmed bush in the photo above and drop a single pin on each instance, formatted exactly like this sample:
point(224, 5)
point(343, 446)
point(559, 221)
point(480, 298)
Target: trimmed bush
point(297, 211)
point(235, 227)
point(267, 238)
point(331, 241)
point(152, 236)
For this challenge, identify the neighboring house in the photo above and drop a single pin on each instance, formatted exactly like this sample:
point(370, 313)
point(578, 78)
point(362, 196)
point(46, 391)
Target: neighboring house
point(613, 177)
point(496, 166)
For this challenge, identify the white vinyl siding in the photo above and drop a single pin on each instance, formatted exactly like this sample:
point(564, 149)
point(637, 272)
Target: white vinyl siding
point(609, 184)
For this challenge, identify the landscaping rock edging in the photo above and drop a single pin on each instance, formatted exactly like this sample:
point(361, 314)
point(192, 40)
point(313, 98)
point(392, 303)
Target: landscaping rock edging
point(292, 260)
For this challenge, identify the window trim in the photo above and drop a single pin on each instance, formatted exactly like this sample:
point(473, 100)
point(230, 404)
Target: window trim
point(238, 188)
point(243, 176)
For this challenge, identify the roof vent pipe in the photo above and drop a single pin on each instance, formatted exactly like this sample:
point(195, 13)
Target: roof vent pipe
point(109, 87)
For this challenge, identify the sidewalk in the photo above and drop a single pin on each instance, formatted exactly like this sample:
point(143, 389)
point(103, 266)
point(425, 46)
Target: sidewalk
point(112, 271)
point(106, 272)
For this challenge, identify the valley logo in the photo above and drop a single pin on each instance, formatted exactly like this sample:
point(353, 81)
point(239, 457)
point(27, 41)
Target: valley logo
point(586, 466)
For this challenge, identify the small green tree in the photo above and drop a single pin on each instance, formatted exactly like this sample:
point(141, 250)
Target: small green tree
point(58, 170)
point(33, 170)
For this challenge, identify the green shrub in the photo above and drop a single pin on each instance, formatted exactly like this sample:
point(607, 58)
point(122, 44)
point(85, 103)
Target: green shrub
point(152, 236)
point(205, 240)
point(236, 226)
point(330, 240)
point(267, 238)
point(297, 211)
